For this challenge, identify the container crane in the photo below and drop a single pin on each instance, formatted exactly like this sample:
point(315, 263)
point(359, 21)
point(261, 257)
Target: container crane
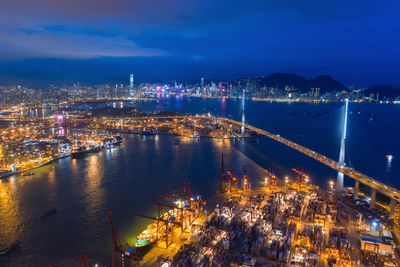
point(120, 248)
point(83, 262)
point(301, 177)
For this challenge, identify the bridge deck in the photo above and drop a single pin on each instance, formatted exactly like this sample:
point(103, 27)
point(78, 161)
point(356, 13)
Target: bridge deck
point(362, 178)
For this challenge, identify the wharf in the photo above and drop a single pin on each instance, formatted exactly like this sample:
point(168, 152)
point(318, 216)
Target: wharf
point(276, 226)
point(160, 250)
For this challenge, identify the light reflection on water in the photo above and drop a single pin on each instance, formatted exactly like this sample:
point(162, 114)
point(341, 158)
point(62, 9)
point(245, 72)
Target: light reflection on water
point(127, 179)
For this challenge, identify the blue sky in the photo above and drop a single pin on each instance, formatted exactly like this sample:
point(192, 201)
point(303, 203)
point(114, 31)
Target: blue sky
point(54, 41)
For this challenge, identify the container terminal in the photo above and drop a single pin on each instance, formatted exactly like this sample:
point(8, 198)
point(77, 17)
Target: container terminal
point(283, 223)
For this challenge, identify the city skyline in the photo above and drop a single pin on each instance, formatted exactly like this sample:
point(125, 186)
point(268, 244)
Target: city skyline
point(63, 43)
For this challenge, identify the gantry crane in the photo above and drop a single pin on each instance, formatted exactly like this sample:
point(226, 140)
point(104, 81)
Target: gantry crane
point(182, 210)
point(271, 178)
point(122, 252)
point(83, 262)
point(227, 181)
point(301, 177)
point(169, 231)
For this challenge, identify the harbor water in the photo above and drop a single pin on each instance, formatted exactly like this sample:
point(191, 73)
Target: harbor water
point(128, 178)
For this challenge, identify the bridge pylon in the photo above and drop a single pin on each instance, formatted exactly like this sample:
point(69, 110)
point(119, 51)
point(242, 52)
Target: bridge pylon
point(340, 175)
point(243, 102)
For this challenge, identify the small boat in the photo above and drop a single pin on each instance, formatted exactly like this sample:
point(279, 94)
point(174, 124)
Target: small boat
point(48, 213)
point(10, 247)
point(118, 139)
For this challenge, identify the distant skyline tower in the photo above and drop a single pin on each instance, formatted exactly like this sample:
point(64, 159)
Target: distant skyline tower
point(131, 80)
point(340, 175)
point(243, 102)
point(131, 85)
point(202, 85)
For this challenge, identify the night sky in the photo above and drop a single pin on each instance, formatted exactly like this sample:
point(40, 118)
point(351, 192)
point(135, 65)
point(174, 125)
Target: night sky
point(65, 41)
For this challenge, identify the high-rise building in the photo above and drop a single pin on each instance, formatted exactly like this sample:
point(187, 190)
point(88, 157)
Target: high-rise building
point(131, 85)
point(131, 80)
point(202, 86)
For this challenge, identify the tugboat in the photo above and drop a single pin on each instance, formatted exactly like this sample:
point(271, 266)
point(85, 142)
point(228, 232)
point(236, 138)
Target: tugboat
point(10, 247)
point(118, 139)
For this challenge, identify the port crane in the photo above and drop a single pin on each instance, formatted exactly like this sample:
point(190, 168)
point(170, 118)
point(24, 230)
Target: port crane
point(193, 200)
point(301, 177)
point(83, 262)
point(121, 249)
point(168, 222)
point(271, 178)
point(227, 181)
point(182, 209)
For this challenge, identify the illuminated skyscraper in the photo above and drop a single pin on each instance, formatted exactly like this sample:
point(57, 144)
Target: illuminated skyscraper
point(131, 85)
point(131, 80)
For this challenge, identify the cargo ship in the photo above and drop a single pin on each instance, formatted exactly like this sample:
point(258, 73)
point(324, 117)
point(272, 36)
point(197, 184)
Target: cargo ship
point(181, 211)
point(111, 142)
point(83, 150)
point(146, 239)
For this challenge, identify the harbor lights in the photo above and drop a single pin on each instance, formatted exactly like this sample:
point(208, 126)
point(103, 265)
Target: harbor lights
point(306, 180)
point(266, 182)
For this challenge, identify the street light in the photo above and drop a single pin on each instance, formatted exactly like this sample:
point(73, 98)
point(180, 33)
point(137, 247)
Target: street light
point(266, 182)
point(331, 184)
point(286, 181)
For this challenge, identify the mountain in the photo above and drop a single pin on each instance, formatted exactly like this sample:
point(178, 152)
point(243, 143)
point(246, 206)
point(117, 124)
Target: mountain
point(279, 80)
point(384, 91)
point(327, 84)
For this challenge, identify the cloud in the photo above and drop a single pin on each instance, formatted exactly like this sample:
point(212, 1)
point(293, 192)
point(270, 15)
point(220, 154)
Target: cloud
point(249, 36)
point(42, 43)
